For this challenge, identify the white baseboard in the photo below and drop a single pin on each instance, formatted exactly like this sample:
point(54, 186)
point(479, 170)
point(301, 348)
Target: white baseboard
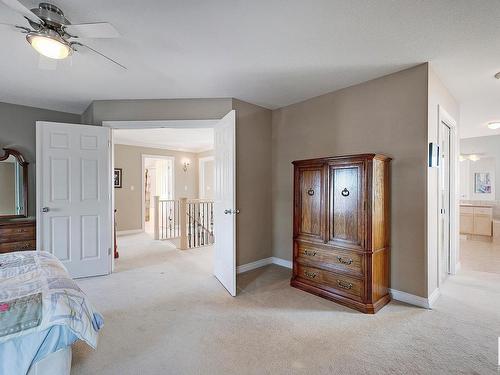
point(263, 262)
point(433, 297)
point(253, 265)
point(127, 232)
point(412, 299)
point(282, 262)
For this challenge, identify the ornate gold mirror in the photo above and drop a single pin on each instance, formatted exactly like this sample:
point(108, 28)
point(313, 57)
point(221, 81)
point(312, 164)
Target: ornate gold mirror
point(13, 184)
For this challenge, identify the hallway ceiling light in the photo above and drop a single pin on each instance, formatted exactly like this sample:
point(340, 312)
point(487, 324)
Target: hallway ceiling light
point(474, 157)
point(494, 125)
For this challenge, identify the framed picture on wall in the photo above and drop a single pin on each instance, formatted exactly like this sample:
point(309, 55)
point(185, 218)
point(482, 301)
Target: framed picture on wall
point(117, 178)
point(482, 183)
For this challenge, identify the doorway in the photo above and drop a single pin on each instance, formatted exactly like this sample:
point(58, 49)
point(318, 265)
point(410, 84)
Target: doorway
point(224, 210)
point(447, 198)
point(444, 211)
point(157, 180)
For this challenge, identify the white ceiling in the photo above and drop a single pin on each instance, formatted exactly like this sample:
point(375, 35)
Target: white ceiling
point(268, 52)
point(191, 140)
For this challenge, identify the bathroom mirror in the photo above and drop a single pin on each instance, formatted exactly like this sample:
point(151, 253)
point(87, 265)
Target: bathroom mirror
point(13, 184)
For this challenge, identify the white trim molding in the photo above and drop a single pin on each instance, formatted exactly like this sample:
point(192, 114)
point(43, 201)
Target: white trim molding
point(412, 299)
point(128, 232)
point(264, 262)
point(282, 262)
point(254, 265)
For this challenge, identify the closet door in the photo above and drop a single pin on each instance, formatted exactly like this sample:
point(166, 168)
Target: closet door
point(309, 222)
point(345, 204)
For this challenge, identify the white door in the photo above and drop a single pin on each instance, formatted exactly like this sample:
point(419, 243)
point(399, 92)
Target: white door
point(444, 198)
point(225, 202)
point(73, 176)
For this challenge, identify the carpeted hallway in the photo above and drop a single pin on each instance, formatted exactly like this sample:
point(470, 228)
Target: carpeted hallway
point(166, 314)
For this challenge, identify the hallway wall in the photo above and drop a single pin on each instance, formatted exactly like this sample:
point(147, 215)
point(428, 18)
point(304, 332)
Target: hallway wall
point(128, 199)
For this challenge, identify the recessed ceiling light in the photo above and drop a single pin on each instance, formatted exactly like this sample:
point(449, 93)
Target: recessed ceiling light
point(497, 76)
point(494, 125)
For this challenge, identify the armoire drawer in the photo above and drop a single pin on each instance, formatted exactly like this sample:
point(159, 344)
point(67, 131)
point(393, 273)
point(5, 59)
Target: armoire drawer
point(17, 246)
point(342, 260)
point(342, 284)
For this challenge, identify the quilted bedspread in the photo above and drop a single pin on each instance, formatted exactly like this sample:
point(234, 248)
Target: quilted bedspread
point(41, 305)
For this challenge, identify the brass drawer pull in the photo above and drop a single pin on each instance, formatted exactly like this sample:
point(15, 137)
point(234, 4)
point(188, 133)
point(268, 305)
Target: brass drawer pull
point(21, 230)
point(311, 275)
point(344, 261)
point(309, 253)
point(343, 284)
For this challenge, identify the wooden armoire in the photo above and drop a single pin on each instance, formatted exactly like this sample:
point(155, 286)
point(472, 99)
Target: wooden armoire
point(341, 229)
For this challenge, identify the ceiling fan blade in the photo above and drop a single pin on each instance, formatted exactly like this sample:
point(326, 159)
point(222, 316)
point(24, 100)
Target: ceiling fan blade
point(20, 8)
point(92, 30)
point(14, 27)
point(99, 53)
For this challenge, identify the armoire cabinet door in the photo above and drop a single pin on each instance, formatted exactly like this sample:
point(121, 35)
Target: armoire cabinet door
point(345, 204)
point(309, 202)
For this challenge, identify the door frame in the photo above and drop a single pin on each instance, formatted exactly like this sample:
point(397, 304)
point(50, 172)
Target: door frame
point(143, 193)
point(454, 192)
point(148, 124)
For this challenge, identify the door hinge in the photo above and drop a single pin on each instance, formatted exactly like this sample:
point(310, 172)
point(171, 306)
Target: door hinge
point(109, 251)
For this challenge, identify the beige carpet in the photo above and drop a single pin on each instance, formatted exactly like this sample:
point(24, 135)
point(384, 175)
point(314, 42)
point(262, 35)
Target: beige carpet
point(166, 314)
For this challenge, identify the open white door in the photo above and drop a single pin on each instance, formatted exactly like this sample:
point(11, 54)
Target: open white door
point(225, 202)
point(73, 177)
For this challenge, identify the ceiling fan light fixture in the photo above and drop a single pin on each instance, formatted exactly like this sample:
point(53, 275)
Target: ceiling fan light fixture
point(48, 43)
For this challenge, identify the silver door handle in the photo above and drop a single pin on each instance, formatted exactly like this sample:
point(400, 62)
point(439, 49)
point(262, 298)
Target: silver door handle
point(229, 212)
point(45, 209)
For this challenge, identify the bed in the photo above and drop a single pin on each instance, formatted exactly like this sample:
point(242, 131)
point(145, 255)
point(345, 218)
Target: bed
point(42, 313)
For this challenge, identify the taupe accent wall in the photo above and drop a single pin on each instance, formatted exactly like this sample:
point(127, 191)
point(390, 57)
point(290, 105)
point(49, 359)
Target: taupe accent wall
point(17, 130)
point(156, 109)
point(253, 182)
point(387, 115)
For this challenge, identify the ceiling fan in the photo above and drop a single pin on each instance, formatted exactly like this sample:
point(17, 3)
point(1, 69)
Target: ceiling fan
point(52, 35)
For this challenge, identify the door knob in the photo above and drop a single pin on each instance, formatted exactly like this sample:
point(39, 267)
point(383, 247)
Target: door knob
point(229, 212)
point(45, 209)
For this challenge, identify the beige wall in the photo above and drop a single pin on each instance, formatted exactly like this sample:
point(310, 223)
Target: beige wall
point(156, 109)
point(438, 95)
point(386, 115)
point(7, 189)
point(253, 182)
point(128, 202)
